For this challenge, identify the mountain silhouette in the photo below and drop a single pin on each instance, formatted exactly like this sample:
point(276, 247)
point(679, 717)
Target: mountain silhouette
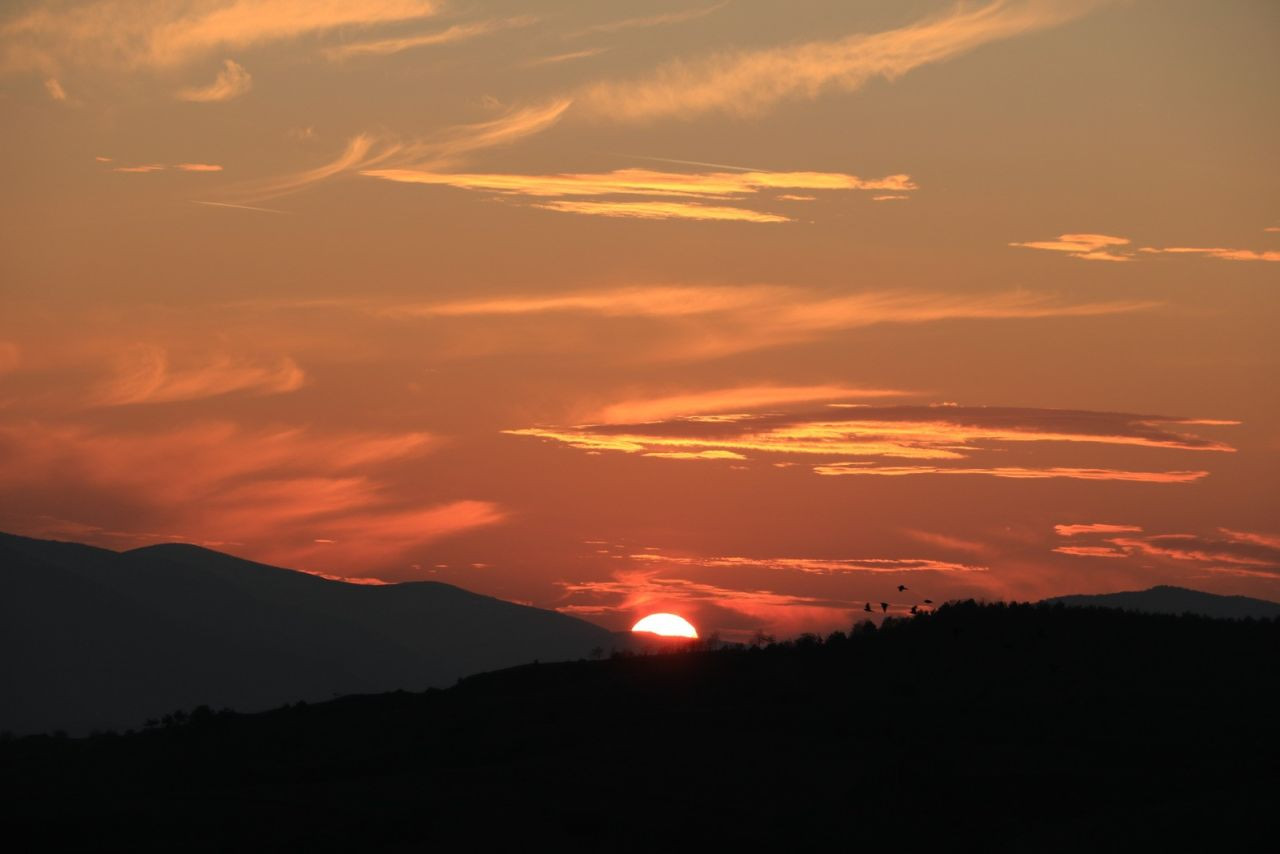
point(1165, 599)
point(96, 639)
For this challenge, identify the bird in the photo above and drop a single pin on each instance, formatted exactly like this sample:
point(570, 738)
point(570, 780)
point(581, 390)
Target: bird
point(914, 609)
point(884, 606)
point(928, 601)
point(868, 608)
point(901, 587)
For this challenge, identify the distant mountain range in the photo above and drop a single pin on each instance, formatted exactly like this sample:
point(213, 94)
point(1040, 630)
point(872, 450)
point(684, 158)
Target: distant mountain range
point(92, 638)
point(1176, 600)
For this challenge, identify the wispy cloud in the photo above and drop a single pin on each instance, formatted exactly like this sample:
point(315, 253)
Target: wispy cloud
point(663, 210)
point(729, 400)
point(162, 167)
point(455, 33)
point(661, 19)
point(1215, 252)
point(1078, 529)
point(364, 152)
point(55, 90)
point(273, 492)
point(815, 566)
point(145, 374)
point(644, 182)
point(126, 34)
point(1245, 553)
point(722, 320)
point(859, 440)
point(232, 82)
point(570, 56)
point(237, 207)
point(749, 82)
point(1104, 247)
point(1017, 472)
point(1091, 247)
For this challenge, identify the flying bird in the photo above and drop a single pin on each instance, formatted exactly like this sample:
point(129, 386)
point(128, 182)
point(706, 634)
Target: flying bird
point(914, 609)
point(901, 587)
point(868, 608)
point(928, 601)
point(884, 606)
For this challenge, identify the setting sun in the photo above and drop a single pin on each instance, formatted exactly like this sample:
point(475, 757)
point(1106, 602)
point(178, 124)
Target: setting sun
point(667, 625)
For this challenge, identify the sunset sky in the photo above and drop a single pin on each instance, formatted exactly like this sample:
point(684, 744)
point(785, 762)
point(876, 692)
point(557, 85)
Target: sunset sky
point(745, 311)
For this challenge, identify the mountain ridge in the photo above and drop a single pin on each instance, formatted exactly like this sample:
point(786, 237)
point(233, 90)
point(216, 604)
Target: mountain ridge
point(95, 638)
point(1169, 599)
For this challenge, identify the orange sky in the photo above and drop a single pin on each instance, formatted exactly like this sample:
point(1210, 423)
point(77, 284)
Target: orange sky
point(742, 312)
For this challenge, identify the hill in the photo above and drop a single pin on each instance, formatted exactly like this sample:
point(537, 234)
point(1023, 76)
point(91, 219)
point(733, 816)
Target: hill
point(1165, 599)
point(976, 728)
point(96, 639)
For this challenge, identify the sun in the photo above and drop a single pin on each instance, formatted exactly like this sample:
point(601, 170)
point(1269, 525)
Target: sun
point(667, 625)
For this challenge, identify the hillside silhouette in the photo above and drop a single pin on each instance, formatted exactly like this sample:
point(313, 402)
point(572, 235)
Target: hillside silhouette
point(1166, 599)
point(973, 728)
point(96, 639)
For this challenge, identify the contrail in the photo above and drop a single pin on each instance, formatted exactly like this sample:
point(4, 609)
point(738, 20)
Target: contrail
point(241, 207)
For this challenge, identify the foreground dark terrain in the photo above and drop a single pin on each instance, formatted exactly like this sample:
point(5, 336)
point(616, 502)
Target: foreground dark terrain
point(978, 727)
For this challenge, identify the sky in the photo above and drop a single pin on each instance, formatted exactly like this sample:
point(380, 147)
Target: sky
point(747, 311)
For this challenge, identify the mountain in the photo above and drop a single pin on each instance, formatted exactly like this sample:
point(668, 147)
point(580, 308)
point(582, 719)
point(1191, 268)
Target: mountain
point(1176, 600)
point(92, 638)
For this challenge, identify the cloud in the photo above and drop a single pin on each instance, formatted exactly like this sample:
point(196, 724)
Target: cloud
point(148, 168)
point(658, 20)
point(365, 151)
point(237, 207)
point(663, 210)
point(455, 33)
point(721, 320)
point(1104, 247)
point(144, 374)
point(1244, 553)
point(644, 301)
point(192, 463)
point(1094, 528)
point(557, 58)
point(1092, 551)
point(55, 90)
point(816, 566)
point(1215, 252)
point(232, 82)
point(1018, 473)
point(752, 81)
point(1091, 247)
point(728, 400)
point(645, 182)
point(848, 439)
point(128, 34)
point(272, 492)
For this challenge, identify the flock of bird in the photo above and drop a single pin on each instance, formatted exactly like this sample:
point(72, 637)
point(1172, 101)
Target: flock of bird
point(884, 606)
